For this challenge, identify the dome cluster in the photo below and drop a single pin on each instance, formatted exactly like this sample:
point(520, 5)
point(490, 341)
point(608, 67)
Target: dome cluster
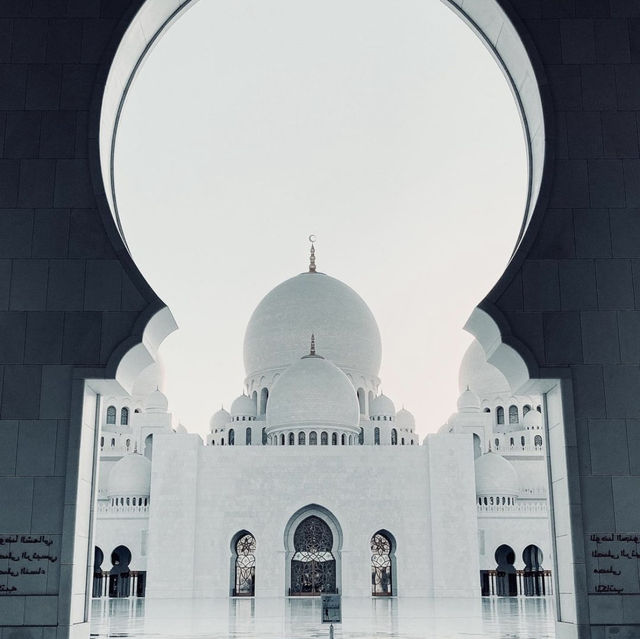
point(329, 398)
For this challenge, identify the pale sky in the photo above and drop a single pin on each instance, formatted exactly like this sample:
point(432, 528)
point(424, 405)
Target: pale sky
point(383, 127)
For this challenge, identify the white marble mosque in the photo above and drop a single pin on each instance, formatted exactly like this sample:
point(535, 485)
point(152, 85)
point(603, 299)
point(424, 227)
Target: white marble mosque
point(314, 483)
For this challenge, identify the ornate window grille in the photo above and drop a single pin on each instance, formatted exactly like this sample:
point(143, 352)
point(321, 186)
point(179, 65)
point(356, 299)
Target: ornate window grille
point(313, 566)
point(245, 582)
point(381, 568)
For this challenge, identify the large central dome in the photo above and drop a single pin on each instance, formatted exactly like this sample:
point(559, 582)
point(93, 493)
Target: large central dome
point(345, 329)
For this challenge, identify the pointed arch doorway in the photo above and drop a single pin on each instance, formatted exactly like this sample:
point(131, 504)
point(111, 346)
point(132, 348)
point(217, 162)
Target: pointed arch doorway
point(313, 542)
point(313, 566)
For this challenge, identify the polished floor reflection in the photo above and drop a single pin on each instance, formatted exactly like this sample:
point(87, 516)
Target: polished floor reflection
point(299, 618)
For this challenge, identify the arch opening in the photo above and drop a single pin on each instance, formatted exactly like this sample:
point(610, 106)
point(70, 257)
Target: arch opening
point(313, 544)
point(185, 4)
point(383, 565)
point(244, 564)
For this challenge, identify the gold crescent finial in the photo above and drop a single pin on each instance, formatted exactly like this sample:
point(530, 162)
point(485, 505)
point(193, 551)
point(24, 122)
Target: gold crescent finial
point(312, 256)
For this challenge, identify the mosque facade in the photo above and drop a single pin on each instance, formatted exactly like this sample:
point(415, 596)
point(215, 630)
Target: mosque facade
point(314, 483)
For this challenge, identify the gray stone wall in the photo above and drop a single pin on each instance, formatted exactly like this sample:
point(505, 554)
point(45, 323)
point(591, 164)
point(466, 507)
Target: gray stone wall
point(69, 295)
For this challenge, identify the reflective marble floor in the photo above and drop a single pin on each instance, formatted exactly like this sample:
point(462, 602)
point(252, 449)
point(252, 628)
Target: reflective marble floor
point(504, 618)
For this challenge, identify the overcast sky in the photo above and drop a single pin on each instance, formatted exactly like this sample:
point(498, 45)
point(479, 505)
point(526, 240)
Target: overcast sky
point(384, 127)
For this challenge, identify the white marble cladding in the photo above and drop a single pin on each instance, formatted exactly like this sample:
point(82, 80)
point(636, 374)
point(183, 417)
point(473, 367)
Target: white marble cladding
point(203, 496)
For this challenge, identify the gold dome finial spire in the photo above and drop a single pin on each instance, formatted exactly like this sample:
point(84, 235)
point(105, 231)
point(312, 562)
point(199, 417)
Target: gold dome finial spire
point(312, 350)
point(312, 256)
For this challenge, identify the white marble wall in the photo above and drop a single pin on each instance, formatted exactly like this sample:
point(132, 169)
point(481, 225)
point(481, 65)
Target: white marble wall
point(452, 499)
point(202, 496)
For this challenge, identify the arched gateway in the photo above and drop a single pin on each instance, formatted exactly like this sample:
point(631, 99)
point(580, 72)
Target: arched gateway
point(313, 566)
point(313, 542)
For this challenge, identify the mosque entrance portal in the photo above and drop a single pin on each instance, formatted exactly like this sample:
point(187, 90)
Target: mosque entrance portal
point(313, 566)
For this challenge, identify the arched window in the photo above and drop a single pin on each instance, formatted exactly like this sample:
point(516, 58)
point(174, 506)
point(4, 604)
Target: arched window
point(376, 435)
point(402, 441)
point(128, 443)
point(113, 443)
point(102, 442)
point(245, 565)
point(537, 440)
point(361, 400)
point(334, 439)
point(124, 416)
point(111, 415)
point(343, 439)
point(302, 438)
point(313, 438)
point(222, 441)
point(511, 442)
point(232, 437)
point(513, 415)
point(500, 415)
point(497, 443)
point(264, 399)
point(522, 441)
point(539, 408)
point(361, 436)
point(324, 438)
point(487, 410)
point(394, 437)
point(381, 565)
point(292, 439)
point(148, 446)
point(247, 436)
point(525, 409)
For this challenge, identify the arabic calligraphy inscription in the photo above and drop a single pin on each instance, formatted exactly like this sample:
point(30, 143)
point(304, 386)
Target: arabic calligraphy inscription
point(613, 562)
point(25, 563)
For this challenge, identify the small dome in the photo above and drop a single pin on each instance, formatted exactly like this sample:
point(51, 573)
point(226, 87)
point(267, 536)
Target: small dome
point(313, 392)
point(532, 420)
point(181, 429)
point(130, 476)
point(484, 379)
point(219, 419)
point(495, 476)
point(468, 402)
point(405, 419)
point(156, 402)
point(382, 405)
point(243, 405)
